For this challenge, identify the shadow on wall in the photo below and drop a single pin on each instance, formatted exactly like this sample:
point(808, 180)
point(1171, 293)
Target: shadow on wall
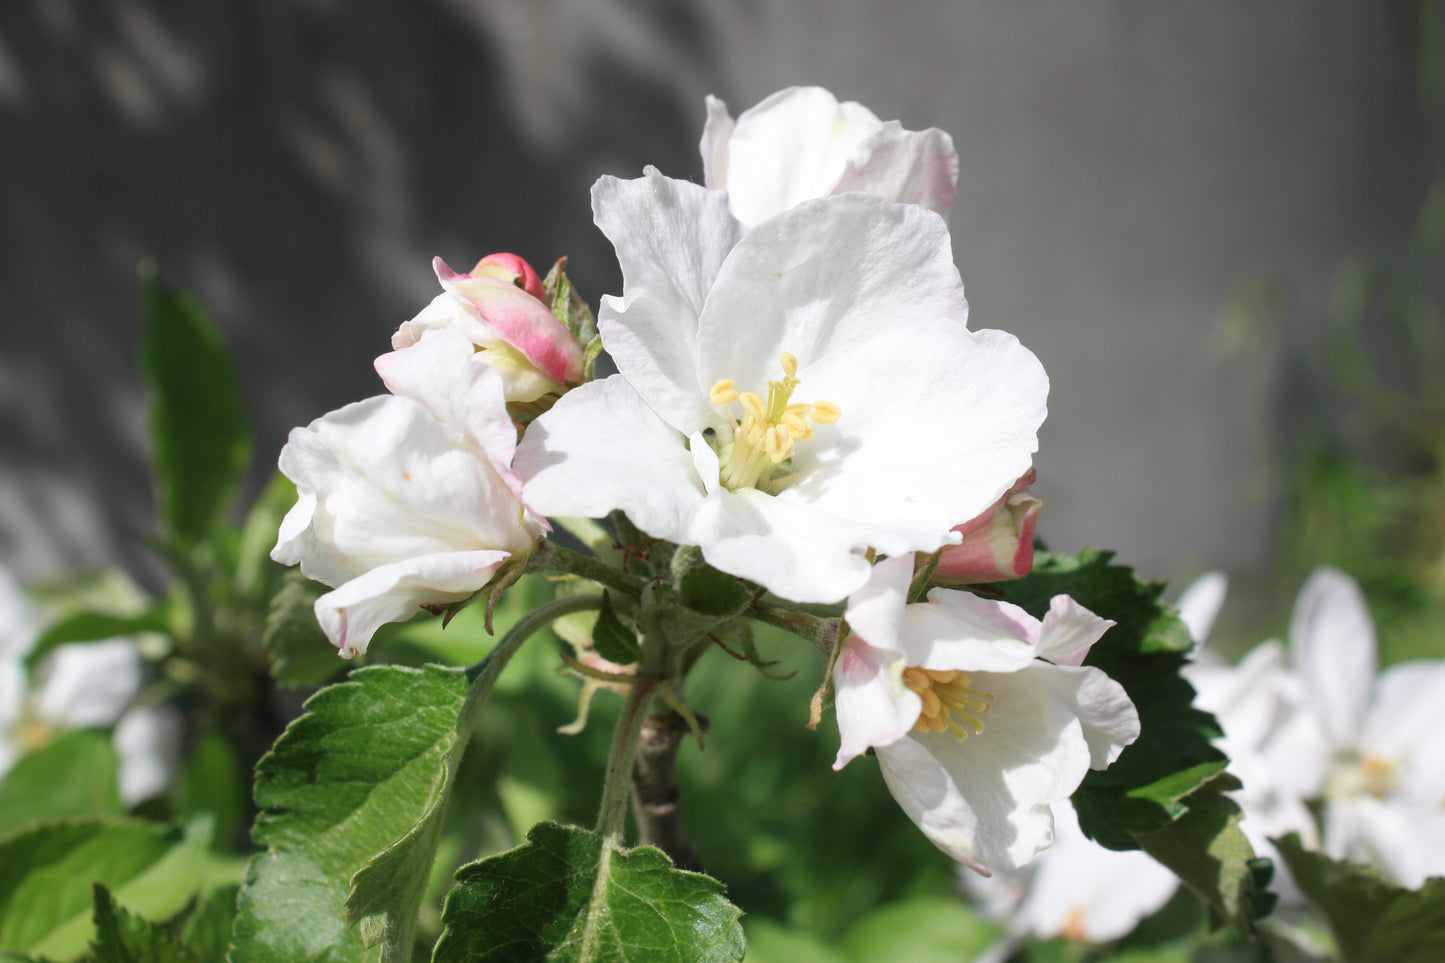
point(295, 165)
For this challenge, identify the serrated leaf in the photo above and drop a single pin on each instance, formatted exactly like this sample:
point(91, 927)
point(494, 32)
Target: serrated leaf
point(123, 937)
point(74, 776)
point(45, 891)
point(612, 639)
point(1174, 756)
point(198, 425)
point(205, 925)
point(300, 653)
point(1374, 921)
point(364, 772)
point(1208, 851)
point(567, 895)
point(708, 591)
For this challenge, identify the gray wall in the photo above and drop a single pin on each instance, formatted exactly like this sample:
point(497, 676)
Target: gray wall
point(296, 163)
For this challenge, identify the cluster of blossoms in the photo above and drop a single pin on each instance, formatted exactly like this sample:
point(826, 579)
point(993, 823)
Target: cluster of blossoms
point(1323, 746)
point(799, 397)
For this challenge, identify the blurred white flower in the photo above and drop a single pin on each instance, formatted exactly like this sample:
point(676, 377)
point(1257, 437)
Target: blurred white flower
point(1200, 602)
point(802, 143)
point(1076, 889)
point(80, 685)
point(981, 716)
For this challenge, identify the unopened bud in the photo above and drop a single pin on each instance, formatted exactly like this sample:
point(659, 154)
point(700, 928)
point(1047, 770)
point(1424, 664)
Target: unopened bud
point(998, 545)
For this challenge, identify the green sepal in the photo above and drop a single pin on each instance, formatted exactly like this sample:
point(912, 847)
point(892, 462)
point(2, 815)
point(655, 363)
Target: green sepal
point(612, 638)
point(567, 895)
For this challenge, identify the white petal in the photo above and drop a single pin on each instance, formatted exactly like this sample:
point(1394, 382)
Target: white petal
point(714, 146)
point(1108, 717)
point(351, 614)
point(876, 611)
point(671, 238)
point(602, 448)
point(958, 630)
point(873, 705)
point(1200, 603)
point(1247, 699)
point(911, 167)
point(18, 627)
point(792, 146)
point(1069, 631)
point(985, 800)
point(89, 684)
point(1405, 725)
point(1407, 841)
point(383, 480)
point(147, 742)
point(1332, 641)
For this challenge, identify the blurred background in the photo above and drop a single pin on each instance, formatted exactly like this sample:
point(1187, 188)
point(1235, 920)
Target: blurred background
point(1160, 199)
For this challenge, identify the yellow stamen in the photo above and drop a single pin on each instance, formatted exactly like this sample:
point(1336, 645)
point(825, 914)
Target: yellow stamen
point(723, 392)
point(767, 433)
point(949, 703)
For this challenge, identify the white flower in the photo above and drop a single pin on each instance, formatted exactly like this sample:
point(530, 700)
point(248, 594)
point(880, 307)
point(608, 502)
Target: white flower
point(787, 398)
point(1200, 602)
point(79, 685)
point(1373, 752)
point(404, 501)
point(1076, 889)
point(802, 143)
point(981, 716)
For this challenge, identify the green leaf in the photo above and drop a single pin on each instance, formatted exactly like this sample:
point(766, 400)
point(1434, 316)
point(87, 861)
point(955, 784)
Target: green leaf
point(613, 640)
point(123, 937)
point(1208, 851)
point(365, 771)
point(202, 444)
point(100, 626)
point(258, 534)
point(770, 943)
point(922, 930)
point(205, 925)
point(300, 653)
point(708, 591)
point(1374, 921)
point(45, 890)
point(568, 306)
point(210, 782)
point(567, 895)
point(73, 776)
point(1144, 790)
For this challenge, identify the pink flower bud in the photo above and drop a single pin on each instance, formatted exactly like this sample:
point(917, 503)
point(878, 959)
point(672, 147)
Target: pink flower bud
point(513, 270)
point(997, 545)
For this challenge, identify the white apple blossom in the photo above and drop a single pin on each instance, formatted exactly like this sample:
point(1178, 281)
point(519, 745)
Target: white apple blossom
point(802, 143)
point(790, 396)
point(1368, 747)
point(982, 717)
point(77, 686)
point(408, 499)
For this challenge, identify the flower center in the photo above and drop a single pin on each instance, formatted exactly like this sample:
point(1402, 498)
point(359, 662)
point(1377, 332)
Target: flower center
point(949, 703)
point(766, 435)
point(1368, 775)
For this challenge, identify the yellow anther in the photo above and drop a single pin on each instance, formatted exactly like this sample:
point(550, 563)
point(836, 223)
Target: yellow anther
point(931, 703)
point(753, 405)
point(790, 364)
point(825, 412)
point(797, 427)
point(723, 392)
point(947, 703)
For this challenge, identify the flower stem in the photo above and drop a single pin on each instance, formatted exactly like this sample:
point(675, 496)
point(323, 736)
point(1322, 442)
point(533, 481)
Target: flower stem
point(656, 801)
point(552, 559)
point(823, 633)
point(485, 672)
point(612, 815)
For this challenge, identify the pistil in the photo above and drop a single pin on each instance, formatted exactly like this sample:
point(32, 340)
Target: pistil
point(767, 433)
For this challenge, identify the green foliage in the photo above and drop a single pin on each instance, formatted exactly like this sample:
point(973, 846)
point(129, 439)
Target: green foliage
point(45, 891)
point(1164, 793)
point(202, 444)
point(568, 895)
point(1373, 921)
point(205, 925)
point(364, 772)
point(926, 929)
point(73, 776)
point(99, 626)
point(612, 639)
point(123, 937)
point(210, 783)
point(299, 651)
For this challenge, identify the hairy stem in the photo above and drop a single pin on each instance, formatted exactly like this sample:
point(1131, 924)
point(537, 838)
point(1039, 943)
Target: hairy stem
point(552, 559)
point(612, 815)
point(656, 802)
point(485, 672)
point(822, 632)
